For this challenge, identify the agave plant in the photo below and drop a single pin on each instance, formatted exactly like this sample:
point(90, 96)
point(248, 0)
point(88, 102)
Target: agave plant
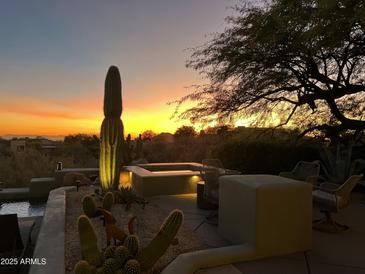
point(126, 195)
point(338, 165)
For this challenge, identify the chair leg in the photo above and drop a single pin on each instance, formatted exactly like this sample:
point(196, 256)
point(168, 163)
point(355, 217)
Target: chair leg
point(328, 224)
point(212, 218)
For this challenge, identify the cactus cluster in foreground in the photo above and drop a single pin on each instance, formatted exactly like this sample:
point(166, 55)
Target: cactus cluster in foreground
point(158, 246)
point(128, 258)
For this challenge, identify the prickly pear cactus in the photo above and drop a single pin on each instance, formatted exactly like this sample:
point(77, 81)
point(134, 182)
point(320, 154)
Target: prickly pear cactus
point(108, 201)
point(111, 133)
point(89, 206)
point(132, 267)
point(88, 241)
point(132, 243)
point(148, 256)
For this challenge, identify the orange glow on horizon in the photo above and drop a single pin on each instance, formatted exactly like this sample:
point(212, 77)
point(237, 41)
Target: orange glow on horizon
point(38, 118)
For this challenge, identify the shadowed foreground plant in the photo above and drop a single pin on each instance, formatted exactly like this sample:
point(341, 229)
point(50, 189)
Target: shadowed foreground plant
point(158, 246)
point(132, 243)
point(108, 201)
point(127, 258)
point(83, 267)
point(126, 195)
point(89, 205)
point(88, 241)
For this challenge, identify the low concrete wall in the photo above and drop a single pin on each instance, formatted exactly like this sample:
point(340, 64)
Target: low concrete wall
point(51, 238)
point(162, 178)
point(59, 174)
point(39, 188)
point(14, 194)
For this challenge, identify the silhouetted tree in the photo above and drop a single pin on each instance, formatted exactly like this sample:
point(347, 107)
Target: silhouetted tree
point(147, 135)
point(302, 59)
point(185, 131)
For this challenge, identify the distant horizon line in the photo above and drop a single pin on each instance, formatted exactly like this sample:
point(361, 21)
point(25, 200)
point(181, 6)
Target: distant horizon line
point(60, 136)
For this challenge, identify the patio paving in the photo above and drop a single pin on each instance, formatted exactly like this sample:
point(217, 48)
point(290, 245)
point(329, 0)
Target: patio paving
point(342, 253)
point(194, 218)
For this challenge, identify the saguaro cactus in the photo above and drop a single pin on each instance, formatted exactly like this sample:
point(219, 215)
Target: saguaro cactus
point(111, 133)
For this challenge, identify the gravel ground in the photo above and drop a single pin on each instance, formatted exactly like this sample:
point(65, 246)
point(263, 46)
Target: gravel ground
point(146, 226)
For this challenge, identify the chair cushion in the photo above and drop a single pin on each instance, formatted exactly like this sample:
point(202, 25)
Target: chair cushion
point(328, 200)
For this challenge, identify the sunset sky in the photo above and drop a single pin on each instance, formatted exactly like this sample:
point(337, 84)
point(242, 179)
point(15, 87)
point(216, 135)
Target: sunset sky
point(54, 56)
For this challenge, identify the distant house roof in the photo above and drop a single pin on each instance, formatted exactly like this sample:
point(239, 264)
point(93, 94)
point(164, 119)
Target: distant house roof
point(49, 147)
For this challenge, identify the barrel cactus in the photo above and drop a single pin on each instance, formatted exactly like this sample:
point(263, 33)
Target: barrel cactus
point(89, 206)
point(121, 254)
point(110, 266)
point(88, 241)
point(108, 201)
point(100, 270)
point(82, 267)
point(111, 133)
point(91, 209)
point(148, 256)
point(109, 252)
point(132, 243)
point(132, 267)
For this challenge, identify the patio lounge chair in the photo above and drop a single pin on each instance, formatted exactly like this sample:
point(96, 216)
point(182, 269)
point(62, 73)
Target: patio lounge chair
point(358, 167)
point(303, 171)
point(331, 198)
point(211, 171)
point(13, 241)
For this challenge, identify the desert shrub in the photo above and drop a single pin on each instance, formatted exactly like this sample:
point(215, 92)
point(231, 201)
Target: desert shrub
point(17, 170)
point(247, 150)
point(255, 157)
point(155, 151)
point(192, 149)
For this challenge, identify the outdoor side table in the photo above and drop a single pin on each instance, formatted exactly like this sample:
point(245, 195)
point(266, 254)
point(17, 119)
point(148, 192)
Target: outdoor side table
point(271, 213)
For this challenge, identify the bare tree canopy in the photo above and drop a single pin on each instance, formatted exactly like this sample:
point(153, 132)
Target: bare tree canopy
point(301, 59)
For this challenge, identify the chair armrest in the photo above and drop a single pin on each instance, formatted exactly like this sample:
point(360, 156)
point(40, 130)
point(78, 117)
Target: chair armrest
point(232, 172)
point(329, 185)
point(325, 189)
point(315, 179)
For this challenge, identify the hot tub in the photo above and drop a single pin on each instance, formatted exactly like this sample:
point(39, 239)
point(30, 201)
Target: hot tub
point(162, 178)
